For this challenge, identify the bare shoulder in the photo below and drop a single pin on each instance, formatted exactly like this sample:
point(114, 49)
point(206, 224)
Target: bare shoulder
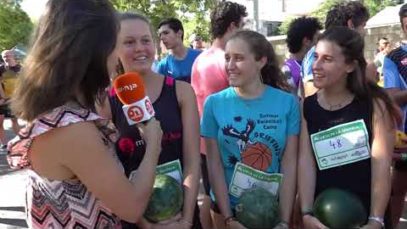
point(52, 153)
point(185, 92)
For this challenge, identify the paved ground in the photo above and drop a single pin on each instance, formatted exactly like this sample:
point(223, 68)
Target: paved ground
point(12, 189)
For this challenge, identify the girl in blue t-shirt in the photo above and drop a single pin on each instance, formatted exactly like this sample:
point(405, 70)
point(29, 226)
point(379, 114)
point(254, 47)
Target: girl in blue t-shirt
point(252, 123)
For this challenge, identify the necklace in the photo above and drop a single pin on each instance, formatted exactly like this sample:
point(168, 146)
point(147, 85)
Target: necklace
point(331, 107)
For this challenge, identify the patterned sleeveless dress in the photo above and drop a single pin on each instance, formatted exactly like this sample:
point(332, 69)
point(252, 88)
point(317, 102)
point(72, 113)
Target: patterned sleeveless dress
point(56, 203)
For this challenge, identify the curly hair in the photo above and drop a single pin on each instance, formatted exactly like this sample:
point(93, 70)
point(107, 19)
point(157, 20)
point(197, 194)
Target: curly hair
point(223, 15)
point(300, 28)
point(342, 12)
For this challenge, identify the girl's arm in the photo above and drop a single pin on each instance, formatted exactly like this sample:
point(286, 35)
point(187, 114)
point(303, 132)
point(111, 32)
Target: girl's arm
point(289, 170)
point(191, 155)
point(382, 148)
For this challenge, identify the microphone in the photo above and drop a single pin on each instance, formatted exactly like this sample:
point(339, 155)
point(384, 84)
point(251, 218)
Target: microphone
point(137, 106)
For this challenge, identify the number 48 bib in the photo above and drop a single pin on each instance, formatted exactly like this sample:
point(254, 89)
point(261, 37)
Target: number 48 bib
point(340, 145)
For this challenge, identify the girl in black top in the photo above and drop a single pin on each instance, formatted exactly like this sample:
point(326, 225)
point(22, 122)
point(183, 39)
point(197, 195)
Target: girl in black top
point(348, 105)
point(175, 105)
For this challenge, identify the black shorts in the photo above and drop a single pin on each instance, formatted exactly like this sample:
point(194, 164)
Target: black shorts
point(400, 166)
point(6, 111)
point(205, 176)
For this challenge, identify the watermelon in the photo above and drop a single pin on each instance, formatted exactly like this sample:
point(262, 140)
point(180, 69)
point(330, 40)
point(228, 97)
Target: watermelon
point(338, 209)
point(166, 200)
point(257, 208)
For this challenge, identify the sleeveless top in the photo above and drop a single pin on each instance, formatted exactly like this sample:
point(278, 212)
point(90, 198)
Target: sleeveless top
point(130, 147)
point(292, 70)
point(355, 177)
point(56, 203)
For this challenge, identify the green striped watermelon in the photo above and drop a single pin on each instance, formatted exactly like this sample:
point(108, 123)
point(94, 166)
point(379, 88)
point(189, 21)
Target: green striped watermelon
point(257, 208)
point(166, 200)
point(339, 209)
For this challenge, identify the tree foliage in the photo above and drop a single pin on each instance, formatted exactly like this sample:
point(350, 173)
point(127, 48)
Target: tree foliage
point(193, 13)
point(15, 25)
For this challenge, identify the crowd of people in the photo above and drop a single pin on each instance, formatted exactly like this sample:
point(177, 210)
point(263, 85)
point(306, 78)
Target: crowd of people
point(321, 120)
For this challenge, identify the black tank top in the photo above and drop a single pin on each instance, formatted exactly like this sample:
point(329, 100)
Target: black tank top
point(130, 147)
point(355, 177)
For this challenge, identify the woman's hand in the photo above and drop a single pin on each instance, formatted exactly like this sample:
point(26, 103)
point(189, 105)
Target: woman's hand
point(311, 222)
point(372, 225)
point(175, 222)
point(234, 224)
point(281, 225)
point(170, 220)
point(3, 101)
point(152, 133)
point(171, 225)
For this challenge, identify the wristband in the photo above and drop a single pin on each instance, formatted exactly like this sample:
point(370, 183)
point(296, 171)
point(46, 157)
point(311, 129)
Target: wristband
point(403, 156)
point(307, 212)
point(378, 220)
point(229, 219)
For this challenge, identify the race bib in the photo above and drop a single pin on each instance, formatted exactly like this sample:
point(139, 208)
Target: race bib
point(172, 169)
point(245, 177)
point(340, 145)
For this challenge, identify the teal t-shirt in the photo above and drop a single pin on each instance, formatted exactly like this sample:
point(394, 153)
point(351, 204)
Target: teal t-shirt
point(239, 125)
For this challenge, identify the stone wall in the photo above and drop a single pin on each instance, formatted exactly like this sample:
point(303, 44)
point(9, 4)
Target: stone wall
point(392, 32)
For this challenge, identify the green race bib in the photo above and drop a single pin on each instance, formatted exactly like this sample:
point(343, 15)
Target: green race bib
point(245, 177)
point(340, 145)
point(172, 169)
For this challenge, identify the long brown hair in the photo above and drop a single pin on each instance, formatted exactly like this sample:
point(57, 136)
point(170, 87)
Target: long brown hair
point(352, 45)
point(271, 73)
point(68, 57)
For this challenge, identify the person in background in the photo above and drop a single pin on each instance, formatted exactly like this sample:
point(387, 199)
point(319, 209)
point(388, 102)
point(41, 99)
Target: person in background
point(197, 42)
point(301, 36)
point(178, 63)
point(240, 118)
point(74, 178)
point(209, 75)
point(175, 107)
point(395, 82)
point(8, 76)
point(353, 15)
point(384, 47)
point(350, 107)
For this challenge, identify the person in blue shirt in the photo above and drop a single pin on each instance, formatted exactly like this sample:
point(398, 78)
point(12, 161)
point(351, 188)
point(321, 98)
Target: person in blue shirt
point(395, 76)
point(353, 15)
point(256, 111)
point(178, 63)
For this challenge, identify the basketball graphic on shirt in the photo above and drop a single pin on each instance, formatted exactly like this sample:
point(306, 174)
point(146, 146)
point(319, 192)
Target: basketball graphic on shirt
point(257, 156)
